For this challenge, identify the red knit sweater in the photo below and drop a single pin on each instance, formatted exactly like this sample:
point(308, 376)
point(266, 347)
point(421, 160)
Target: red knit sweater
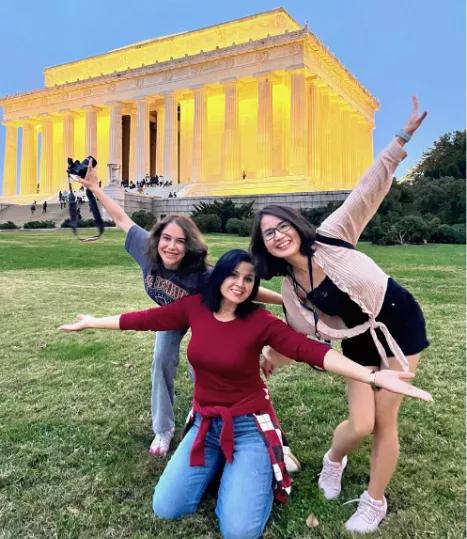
point(225, 355)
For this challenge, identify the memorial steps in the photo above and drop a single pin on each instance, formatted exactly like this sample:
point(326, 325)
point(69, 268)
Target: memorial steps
point(20, 213)
point(251, 186)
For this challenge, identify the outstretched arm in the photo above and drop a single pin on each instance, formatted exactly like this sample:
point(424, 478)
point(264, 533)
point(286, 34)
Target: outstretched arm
point(116, 212)
point(265, 295)
point(86, 321)
point(350, 219)
point(394, 381)
point(298, 347)
point(166, 318)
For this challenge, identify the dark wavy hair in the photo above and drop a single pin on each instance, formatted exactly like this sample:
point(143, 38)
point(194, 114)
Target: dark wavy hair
point(195, 259)
point(211, 294)
point(266, 265)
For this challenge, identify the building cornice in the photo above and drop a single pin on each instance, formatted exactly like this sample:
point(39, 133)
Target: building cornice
point(302, 46)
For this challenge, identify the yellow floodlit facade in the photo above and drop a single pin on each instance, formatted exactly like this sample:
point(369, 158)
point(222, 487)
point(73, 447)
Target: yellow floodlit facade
point(255, 105)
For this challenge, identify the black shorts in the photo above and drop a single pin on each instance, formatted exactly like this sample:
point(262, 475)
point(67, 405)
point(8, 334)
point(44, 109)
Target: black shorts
point(404, 319)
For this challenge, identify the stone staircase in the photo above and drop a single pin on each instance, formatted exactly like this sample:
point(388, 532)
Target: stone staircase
point(251, 186)
point(20, 214)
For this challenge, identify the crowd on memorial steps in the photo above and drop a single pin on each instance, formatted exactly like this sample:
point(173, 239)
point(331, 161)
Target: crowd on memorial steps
point(330, 291)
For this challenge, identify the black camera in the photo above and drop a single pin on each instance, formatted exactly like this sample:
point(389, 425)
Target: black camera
point(76, 168)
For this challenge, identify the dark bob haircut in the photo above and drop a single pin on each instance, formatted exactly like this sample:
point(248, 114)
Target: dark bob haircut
point(196, 249)
point(211, 294)
point(266, 265)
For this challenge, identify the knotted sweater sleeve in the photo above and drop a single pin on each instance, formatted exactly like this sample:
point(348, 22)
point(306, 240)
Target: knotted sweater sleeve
point(292, 344)
point(166, 318)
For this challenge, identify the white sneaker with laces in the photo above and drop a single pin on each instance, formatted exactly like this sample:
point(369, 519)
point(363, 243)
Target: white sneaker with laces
point(368, 515)
point(292, 464)
point(161, 443)
point(330, 477)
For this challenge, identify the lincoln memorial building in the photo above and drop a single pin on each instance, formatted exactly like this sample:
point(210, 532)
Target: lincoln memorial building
point(255, 105)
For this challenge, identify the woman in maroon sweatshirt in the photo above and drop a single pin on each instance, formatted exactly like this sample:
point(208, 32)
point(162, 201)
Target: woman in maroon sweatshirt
point(234, 429)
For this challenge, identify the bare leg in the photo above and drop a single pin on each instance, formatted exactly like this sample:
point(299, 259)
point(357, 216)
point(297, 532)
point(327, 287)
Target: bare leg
point(360, 423)
point(385, 450)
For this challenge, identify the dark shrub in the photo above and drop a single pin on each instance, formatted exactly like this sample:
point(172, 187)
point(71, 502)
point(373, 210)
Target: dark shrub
point(39, 224)
point(232, 225)
point(208, 223)
point(225, 209)
point(245, 227)
point(143, 218)
point(451, 233)
point(85, 223)
point(9, 225)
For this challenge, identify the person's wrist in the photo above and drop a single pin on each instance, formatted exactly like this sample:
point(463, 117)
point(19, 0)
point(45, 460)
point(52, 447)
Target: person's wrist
point(372, 380)
point(405, 134)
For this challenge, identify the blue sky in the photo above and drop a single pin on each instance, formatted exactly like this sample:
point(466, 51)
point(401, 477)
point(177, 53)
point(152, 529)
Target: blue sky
point(395, 49)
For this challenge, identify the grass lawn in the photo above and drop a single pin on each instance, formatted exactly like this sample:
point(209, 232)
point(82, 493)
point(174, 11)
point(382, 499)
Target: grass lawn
point(74, 408)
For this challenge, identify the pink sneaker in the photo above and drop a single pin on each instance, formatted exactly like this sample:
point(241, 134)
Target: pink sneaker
point(368, 515)
point(330, 477)
point(161, 443)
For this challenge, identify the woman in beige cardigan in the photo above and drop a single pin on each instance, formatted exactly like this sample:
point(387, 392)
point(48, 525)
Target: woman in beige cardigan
point(332, 291)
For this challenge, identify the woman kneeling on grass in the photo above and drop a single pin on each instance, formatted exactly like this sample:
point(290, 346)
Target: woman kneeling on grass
point(233, 429)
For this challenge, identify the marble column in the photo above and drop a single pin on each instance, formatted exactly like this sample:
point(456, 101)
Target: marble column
point(28, 176)
point(46, 167)
point(314, 155)
point(68, 136)
point(264, 129)
point(298, 124)
point(160, 141)
point(142, 139)
point(115, 139)
point(325, 136)
point(347, 172)
point(199, 129)
point(170, 138)
point(355, 158)
point(231, 132)
point(338, 143)
point(10, 159)
point(90, 139)
point(132, 163)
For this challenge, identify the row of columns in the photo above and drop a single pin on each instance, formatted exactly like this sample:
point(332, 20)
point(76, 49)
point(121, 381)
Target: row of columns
point(328, 142)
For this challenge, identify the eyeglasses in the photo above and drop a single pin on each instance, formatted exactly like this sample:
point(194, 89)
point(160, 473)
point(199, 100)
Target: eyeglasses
point(270, 233)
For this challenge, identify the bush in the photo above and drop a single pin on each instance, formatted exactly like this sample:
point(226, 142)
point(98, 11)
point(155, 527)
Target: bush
point(411, 229)
point(233, 225)
point(9, 225)
point(225, 209)
point(451, 233)
point(245, 227)
point(316, 216)
point(85, 223)
point(39, 224)
point(208, 223)
point(143, 218)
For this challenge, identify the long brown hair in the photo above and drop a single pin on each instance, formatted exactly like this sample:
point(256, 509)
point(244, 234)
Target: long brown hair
point(196, 248)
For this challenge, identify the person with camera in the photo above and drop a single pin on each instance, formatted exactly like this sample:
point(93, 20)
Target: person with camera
point(173, 260)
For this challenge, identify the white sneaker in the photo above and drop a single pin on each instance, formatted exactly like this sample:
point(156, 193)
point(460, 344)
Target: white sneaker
point(368, 515)
point(292, 464)
point(161, 443)
point(330, 477)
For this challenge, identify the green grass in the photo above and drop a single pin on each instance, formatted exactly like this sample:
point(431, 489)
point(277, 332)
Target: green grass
point(74, 408)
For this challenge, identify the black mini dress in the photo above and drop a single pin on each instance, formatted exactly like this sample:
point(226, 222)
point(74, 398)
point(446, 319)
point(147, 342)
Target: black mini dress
point(400, 313)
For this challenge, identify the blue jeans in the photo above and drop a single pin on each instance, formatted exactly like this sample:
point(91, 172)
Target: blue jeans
point(245, 495)
point(163, 371)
